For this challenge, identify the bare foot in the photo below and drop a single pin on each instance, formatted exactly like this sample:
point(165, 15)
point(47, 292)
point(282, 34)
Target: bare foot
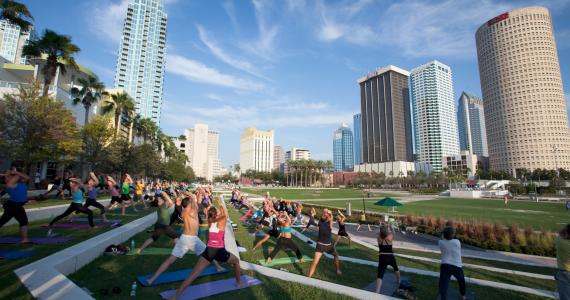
point(301, 260)
point(219, 269)
point(338, 272)
point(26, 241)
point(138, 251)
point(241, 284)
point(149, 281)
point(268, 261)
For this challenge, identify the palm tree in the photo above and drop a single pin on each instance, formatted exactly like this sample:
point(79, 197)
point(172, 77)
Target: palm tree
point(16, 13)
point(147, 129)
point(59, 51)
point(122, 103)
point(89, 93)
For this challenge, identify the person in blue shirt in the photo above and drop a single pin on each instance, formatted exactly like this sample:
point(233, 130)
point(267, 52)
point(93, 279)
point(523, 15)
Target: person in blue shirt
point(76, 204)
point(14, 208)
point(92, 184)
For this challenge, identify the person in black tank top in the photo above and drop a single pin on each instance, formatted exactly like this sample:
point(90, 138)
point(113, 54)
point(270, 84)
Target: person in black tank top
point(342, 229)
point(386, 257)
point(324, 243)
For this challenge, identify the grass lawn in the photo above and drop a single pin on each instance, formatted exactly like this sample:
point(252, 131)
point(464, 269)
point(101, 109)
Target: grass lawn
point(109, 271)
point(548, 216)
point(359, 276)
point(361, 252)
point(297, 194)
point(52, 201)
point(11, 285)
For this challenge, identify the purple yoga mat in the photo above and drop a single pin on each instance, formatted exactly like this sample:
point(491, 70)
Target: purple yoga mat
point(37, 240)
point(72, 225)
point(95, 220)
point(212, 288)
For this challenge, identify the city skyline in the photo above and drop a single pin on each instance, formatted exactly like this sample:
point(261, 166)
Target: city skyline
point(296, 103)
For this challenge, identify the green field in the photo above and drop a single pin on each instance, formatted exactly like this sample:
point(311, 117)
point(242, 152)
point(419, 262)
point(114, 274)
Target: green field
point(548, 216)
point(12, 288)
point(298, 194)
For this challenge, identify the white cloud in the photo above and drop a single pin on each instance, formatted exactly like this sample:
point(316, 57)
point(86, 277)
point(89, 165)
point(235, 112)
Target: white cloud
point(222, 55)
point(231, 12)
point(196, 71)
point(264, 45)
point(293, 5)
point(105, 19)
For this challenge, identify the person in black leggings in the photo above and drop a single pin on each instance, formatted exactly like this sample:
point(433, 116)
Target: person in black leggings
point(342, 229)
point(312, 221)
point(14, 208)
point(386, 257)
point(76, 205)
point(92, 184)
point(285, 241)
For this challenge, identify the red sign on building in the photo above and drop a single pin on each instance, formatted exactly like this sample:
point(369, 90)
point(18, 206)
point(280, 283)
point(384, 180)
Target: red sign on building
point(498, 19)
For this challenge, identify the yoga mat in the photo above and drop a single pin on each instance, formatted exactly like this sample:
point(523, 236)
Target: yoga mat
point(453, 293)
point(152, 251)
point(258, 234)
point(212, 288)
point(15, 254)
point(95, 220)
point(298, 226)
point(389, 284)
point(169, 277)
point(71, 225)
point(201, 231)
point(344, 247)
point(283, 261)
point(311, 232)
point(38, 240)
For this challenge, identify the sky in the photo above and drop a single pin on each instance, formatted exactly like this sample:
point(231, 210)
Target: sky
point(292, 65)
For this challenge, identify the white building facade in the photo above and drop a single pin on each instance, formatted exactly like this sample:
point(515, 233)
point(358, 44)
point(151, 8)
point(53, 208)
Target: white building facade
point(201, 145)
point(257, 150)
point(435, 120)
point(12, 41)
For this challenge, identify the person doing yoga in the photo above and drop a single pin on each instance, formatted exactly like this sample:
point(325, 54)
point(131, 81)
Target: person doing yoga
point(285, 240)
point(75, 206)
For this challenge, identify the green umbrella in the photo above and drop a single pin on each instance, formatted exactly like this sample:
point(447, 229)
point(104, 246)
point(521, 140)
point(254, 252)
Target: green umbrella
point(389, 202)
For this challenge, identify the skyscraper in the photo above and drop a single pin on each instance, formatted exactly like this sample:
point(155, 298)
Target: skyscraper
point(471, 125)
point(201, 145)
point(296, 154)
point(256, 150)
point(435, 122)
point(386, 118)
point(12, 41)
point(525, 112)
point(357, 125)
point(140, 64)
point(278, 158)
point(343, 150)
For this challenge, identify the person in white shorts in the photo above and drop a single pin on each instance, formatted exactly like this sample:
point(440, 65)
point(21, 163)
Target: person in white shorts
point(189, 240)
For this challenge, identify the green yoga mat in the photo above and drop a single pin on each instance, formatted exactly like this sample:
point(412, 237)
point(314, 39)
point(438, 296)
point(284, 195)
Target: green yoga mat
point(344, 247)
point(283, 261)
point(153, 251)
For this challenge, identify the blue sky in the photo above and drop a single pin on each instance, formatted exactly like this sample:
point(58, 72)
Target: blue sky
point(290, 65)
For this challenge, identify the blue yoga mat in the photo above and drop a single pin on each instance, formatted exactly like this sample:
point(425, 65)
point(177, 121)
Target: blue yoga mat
point(212, 288)
point(201, 231)
point(15, 254)
point(169, 277)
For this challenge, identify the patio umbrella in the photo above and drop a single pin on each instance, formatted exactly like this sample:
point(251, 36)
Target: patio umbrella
point(389, 202)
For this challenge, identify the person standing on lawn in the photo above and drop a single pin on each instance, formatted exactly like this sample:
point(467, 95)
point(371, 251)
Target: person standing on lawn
point(162, 225)
point(341, 219)
point(115, 196)
point(139, 189)
point(75, 206)
point(285, 240)
point(14, 208)
point(563, 260)
point(324, 243)
point(451, 264)
point(386, 257)
point(92, 184)
point(126, 190)
point(189, 240)
point(215, 250)
point(312, 221)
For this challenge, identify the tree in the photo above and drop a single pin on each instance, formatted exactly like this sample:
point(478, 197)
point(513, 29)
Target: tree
point(121, 103)
point(89, 93)
point(59, 50)
point(121, 155)
point(35, 128)
point(16, 13)
point(147, 129)
point(97, 136)
point(177, 170)
point(147, 160)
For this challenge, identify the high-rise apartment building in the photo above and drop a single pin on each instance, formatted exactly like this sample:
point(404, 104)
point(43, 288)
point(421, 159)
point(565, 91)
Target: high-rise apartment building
point(385, 116)
point(278, 158)
point(12, 41)
point(357, 126)
point(343, 149)
point(201, 145)
point(140, 63)
point(471, 125)
point(256, 150)
point(296, 154)
point(435, 121)
point(525, 112)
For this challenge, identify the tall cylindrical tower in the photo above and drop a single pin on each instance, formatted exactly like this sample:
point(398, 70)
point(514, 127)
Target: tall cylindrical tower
point(525, 112)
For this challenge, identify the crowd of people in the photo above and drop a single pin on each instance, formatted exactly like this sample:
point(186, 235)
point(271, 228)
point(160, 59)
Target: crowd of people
point(274, 218)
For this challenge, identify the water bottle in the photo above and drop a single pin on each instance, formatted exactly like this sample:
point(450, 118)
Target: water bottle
point(134, 289)
point(132, 245)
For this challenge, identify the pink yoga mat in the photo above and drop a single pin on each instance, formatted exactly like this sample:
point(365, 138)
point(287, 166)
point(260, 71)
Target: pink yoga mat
point(37, 240)
point(71, 225)
point(212, 288)
point(95, 220)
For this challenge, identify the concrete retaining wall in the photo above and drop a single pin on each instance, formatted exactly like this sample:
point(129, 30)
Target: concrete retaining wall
point(48, 212)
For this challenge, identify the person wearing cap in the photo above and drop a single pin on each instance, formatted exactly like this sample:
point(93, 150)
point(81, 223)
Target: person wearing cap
point(14, 208)
point(92, 184)
point(75, 206)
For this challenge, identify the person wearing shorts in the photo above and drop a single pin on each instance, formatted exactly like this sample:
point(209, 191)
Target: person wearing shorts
point(189, 240)
point(312, 221)
point(139, 190)
point(341, 219)
point(161, 227)
point(115, 196)
point(14, 208)
point(324, 243)
point(215, 250)
point(126, 190)
point(386, 257)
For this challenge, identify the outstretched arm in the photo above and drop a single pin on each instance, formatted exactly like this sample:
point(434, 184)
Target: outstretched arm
point(223, 212)
point(94, 178)
point(166, 199)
